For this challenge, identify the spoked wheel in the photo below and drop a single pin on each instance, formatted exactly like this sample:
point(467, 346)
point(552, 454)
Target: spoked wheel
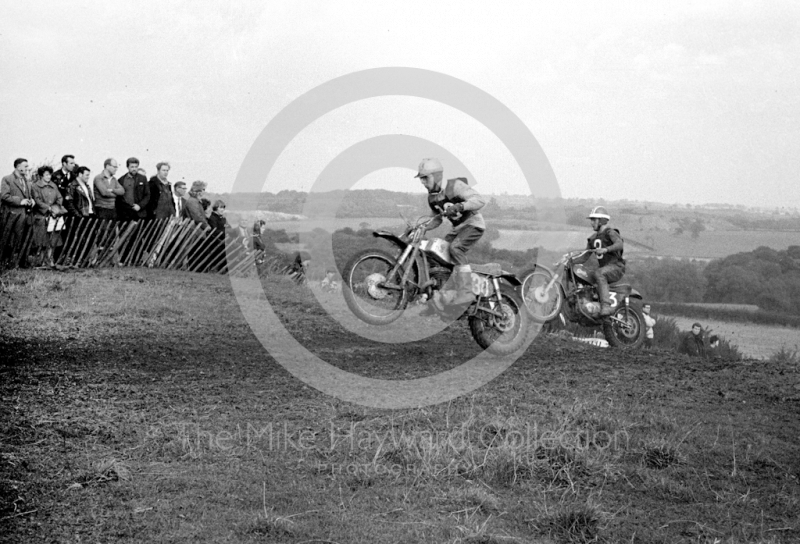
point(625, 328)
point(364, 278)
point(543, 303)
point(502, 335)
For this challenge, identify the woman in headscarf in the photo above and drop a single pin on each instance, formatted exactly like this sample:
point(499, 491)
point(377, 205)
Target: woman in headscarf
point(47, 212)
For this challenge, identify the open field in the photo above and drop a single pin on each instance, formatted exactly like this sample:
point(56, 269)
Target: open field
point(724, 306)
point(753, 340)
point(710, 244)
point(138, 406)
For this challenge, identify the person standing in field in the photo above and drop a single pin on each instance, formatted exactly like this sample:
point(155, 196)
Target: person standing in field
point(179, 198)
point(16, 202)
point(649, 323)
point(694, 343)
point(79, 198)
point(107, 189)
point(162, 203)
point(192, 207)
point(47, 214)
point(63, 177)
point(134, 201)
point(217, 219)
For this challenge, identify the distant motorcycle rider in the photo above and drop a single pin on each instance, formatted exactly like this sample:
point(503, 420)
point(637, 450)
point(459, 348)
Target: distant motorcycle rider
point(460, 203)
point(608, 246)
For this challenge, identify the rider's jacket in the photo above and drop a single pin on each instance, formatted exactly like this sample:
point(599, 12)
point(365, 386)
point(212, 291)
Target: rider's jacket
point(607, 238)
point(457, 190)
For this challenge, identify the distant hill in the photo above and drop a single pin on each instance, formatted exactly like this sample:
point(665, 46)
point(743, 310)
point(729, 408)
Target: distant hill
point(652, 228)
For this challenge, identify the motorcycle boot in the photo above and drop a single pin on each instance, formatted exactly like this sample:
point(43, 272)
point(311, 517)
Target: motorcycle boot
point(601, 283)
point(457, 294)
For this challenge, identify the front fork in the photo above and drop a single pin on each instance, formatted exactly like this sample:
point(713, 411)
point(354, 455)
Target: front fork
point(410, 250)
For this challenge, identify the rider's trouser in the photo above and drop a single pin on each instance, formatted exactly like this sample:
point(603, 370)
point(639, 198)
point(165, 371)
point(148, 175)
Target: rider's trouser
point(460, 241)
point(603, 276)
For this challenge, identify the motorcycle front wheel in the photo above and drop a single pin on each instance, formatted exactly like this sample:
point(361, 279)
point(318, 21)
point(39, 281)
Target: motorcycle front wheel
point(543, 304)
point(363, 293)
point(628, 332)
point(506, 335)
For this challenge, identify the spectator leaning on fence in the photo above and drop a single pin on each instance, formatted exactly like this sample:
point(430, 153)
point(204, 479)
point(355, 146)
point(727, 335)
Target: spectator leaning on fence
point(63, 177)
point(79, 198)
point(133, 204)
point(47, 220)
point(161, 204)
point(15, 204)
point(106, 191)
point(192, 208)
point(694, 343)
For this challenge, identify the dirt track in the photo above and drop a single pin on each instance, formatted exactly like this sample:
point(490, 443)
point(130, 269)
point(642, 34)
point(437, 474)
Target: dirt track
point(123, 390)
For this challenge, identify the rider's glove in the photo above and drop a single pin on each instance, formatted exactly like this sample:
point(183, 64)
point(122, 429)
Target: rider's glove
point(453, 209)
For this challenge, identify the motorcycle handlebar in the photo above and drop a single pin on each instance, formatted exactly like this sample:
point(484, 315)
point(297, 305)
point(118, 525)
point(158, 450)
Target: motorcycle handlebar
point(573, 254)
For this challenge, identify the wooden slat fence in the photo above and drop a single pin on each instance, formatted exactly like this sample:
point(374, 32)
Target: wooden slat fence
point(171, 244)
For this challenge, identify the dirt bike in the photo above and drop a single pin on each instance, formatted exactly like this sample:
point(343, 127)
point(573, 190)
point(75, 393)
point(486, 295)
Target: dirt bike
point(570, 295)
point(378, 286)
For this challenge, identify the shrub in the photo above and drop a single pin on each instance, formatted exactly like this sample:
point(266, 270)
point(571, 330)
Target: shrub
point(666, 333)
point(785, 356)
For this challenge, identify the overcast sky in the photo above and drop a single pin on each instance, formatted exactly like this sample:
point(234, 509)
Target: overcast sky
point(688, 102)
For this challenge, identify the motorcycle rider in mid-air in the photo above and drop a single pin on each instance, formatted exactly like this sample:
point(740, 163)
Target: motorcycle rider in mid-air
point(608, 246)
point(460, 203)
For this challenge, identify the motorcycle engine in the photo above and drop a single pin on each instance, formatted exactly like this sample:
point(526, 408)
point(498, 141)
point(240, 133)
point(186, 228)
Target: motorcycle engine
point(440, 274)
point(589, 307)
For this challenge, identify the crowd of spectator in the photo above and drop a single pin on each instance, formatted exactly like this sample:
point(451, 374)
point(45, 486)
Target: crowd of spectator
point(41, 199)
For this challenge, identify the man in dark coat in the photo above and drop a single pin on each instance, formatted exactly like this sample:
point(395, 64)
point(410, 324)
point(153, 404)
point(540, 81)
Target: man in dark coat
point(133, 203)
point(79, 200)
point(694, 343)
point(63, 177)
point(161, 204)
point(16, 201)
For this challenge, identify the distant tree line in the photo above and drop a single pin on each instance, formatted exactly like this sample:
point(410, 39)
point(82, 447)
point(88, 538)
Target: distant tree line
point(765, 277)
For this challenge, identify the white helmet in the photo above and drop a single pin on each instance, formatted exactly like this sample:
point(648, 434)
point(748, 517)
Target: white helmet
point(429, 166)
point(599, 212)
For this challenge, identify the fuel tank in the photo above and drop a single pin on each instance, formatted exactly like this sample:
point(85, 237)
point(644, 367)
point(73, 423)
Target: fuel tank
point(438, 248)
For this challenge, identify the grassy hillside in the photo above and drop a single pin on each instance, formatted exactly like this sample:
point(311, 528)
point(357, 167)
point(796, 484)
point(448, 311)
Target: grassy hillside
point(138, 406)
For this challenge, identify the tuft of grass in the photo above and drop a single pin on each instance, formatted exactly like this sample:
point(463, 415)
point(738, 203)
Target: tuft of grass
point(476, 498)
point(660, 455)
point(576, 524)
point(786, 356)
point(504, 467)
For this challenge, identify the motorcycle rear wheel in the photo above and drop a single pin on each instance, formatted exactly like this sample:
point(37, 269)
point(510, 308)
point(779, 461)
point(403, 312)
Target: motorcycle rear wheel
point(507, 335)
point(627, 336)
point(543, 306)
point(365, 298)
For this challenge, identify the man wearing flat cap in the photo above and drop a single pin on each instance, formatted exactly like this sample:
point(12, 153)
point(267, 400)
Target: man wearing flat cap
point(192, 207)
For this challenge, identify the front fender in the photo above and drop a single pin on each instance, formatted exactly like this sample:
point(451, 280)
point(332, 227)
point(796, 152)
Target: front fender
point(635, 294)
point(536, 267)
point(393, 238)
point(511, 279)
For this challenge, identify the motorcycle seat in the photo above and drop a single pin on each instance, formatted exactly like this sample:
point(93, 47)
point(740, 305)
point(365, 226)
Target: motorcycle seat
point(623, 288)
point(490, 269)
